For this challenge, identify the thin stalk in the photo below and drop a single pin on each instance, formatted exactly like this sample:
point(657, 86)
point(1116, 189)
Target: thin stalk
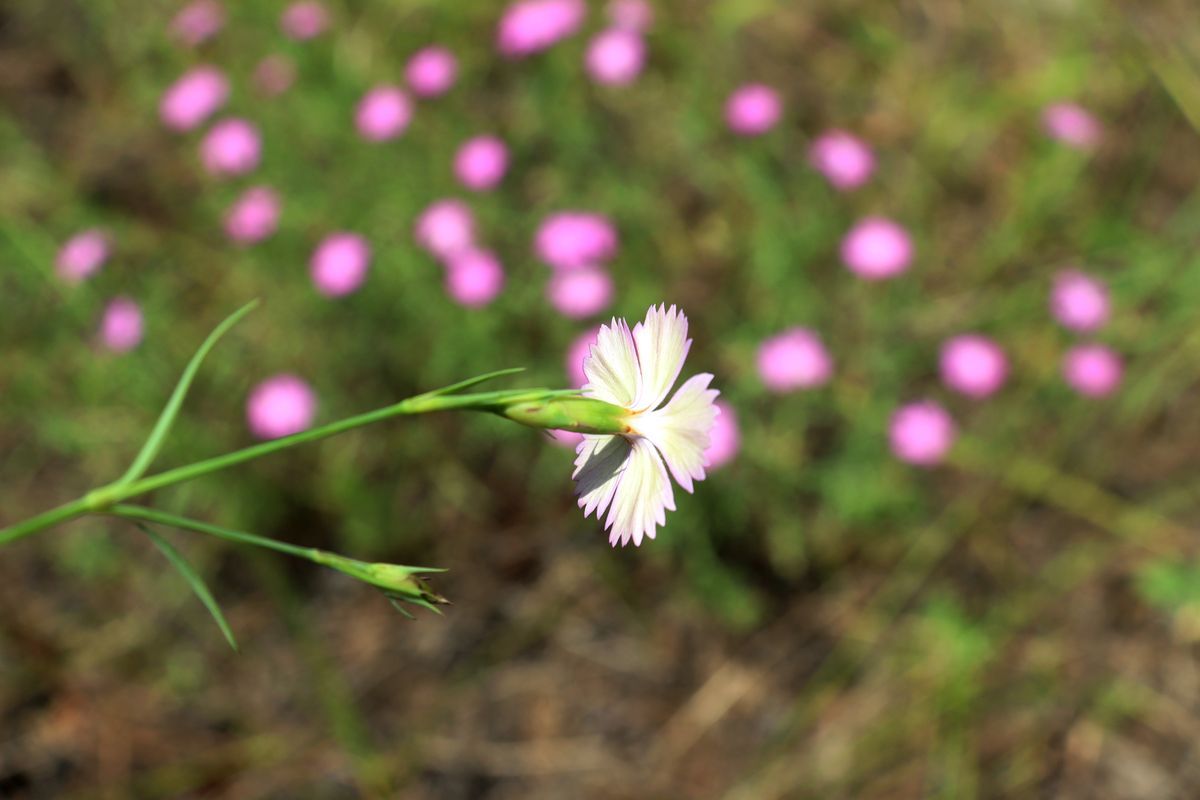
point(397, 581)
point(162, 518)
point(421, 404)
point(71, 510)
point(102, 499)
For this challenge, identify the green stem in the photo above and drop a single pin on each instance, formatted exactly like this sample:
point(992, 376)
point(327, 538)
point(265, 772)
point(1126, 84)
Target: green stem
point(162, 518)
point(398, 582)
point(421, 404)
point(104, 498)
point(44, 520)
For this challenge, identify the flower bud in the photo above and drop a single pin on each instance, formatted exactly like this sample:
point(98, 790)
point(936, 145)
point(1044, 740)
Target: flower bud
point(397, 581)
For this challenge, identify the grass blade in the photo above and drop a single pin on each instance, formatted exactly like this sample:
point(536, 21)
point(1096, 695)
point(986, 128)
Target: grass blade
point(195, 581)
point(469, 382)
point(171, 410)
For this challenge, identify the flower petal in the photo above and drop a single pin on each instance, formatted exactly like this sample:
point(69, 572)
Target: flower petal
point(599, 461)
point(681, 429)
point(643, 496)
point(662, 345)
point(612, 366)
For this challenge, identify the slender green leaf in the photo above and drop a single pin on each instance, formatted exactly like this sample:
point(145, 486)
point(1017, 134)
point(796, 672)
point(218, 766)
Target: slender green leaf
point(469, 382)
point(195, 581)
point(171, 410)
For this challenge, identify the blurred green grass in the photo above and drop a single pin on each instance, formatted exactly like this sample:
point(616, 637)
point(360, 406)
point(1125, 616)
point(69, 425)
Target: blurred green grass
point(954, 633)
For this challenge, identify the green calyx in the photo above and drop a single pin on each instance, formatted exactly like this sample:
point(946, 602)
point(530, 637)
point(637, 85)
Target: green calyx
point(578, 414)
point(398, 582)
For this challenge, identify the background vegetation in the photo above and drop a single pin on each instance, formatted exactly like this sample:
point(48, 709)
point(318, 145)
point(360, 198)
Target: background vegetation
point(818, 620)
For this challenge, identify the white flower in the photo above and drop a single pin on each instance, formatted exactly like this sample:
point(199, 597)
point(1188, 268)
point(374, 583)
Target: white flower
point(624, 474)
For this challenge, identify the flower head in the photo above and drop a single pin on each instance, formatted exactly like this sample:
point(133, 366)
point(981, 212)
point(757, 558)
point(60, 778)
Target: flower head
point(725, 438)
point(577, 354)
point(305, 19)
point(921, 433)
point(481, 162)
point(193, 98)
point(843, 158)
point(198, 22)
point(632, 15)
point(231, 147)
point(121, 327)
point(474, 277)
point(274, 75)
point(575, 239)
point(973, 365)
point(445, 227)
point(580, 293)
point(529, 26)
point(877, 248)
point(253, 216)
point(615, 57)
point(1079, 301)
point(339, 264)
point(280, 406)
point(626, 474)
point(383, 113)
point(794, 359)
point(753, 110)
point(1093, 370)
point(82, 255)
point(431, 72)
point(1072, 124)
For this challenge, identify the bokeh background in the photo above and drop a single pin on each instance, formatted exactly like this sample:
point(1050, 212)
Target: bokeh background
point(821, 619)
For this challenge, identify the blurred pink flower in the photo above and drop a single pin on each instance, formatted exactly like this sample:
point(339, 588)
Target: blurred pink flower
point(843, 158)
point(446, 227)
point(725, 439)
point(198, 21)
point(529, 26)
point(481, 162)
point(431, 71)
point(474, 277)
point(794, 359)
point(1092, 369)
point(753, 109)
point(231, 147)
point(383, 113)
point(1072, 125)
point(569, 439)
point(121, 327)
point(81, 255)
point(339, 264)
point(580, 293)
point(1078, 301)
point(615, 57)
point(577, 352)
point(575, 239)
point(632, 15)
point(280, 406)
point(193, 98)
point(921, 433)
point(877, 248)
point(274, 75)
point(253, 216)
point(973, 365)
point(305, 19)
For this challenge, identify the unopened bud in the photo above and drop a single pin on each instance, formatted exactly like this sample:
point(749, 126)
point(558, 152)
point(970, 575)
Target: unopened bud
point(397, 581)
